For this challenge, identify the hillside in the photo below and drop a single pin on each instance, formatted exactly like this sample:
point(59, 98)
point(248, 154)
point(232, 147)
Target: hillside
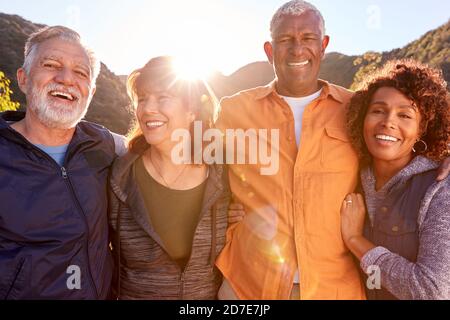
point(109, 106)
point(433, 48)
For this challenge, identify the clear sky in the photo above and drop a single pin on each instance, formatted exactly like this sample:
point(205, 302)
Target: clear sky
point(224, 34)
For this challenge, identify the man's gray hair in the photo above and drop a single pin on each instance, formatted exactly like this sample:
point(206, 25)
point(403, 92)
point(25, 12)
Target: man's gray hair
point(296, 8)
point(57, 32)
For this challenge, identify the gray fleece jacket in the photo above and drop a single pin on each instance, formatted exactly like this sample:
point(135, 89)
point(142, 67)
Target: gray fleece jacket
point(429, 276)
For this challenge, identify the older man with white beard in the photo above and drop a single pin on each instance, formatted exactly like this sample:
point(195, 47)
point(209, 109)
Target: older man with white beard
point(53, 177)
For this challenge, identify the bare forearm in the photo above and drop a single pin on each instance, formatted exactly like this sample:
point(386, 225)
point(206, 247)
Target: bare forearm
point(359, 246)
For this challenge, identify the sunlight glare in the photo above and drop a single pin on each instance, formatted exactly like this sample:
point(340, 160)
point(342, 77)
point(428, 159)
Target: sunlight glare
point(191, 68)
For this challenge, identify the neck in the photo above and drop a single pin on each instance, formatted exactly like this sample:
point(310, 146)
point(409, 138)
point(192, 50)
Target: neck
point(163, 158)
point(386, 170)
point(300, 91)
point(175, 176)
point(37, 133)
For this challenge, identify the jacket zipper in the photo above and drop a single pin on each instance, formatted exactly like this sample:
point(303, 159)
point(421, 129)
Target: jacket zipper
point(183, 273)
point(65, 176)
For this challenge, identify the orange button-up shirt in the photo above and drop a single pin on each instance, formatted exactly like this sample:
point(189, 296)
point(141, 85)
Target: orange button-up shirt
point(292, 220)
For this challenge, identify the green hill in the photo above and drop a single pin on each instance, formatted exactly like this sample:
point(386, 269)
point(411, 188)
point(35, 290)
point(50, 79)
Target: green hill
point(110, 104)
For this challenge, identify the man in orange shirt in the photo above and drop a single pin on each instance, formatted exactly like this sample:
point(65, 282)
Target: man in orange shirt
point(289, 243)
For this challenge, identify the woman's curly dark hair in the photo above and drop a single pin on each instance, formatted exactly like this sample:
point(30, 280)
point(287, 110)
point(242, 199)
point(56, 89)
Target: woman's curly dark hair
point(427, 89)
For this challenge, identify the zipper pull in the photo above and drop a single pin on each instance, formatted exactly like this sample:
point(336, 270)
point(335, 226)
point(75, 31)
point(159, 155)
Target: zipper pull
point(64, 173)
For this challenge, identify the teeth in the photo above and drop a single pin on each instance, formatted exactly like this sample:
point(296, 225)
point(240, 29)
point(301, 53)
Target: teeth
point(154, 124)
point(386, 138)
point(62, 94)
point(298, 64)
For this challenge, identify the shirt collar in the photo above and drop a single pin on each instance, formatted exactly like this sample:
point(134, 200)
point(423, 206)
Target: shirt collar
point(265, 91)
point(327, 90)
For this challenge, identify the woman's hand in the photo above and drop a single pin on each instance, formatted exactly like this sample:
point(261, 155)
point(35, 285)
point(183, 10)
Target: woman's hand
point(236, 213)
point(353, 213)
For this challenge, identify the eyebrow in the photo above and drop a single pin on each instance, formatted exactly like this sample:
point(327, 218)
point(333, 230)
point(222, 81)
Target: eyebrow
point(58, 59)
point(55, 58)
point(312, 34)
point(403, 106)
point(305, 34)
point(150, 91)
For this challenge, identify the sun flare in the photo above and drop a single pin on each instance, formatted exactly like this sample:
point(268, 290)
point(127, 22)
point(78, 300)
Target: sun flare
point(191, 68)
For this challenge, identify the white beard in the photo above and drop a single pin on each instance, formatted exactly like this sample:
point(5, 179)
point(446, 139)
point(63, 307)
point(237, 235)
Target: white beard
point(54, 115)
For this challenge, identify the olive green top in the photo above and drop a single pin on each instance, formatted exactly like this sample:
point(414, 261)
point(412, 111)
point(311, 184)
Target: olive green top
point(174, 214)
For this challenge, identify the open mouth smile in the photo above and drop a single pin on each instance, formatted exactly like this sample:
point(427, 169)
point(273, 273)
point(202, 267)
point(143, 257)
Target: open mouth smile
point(298, 64)
point(63, 95)
point(155, 124)
point(383, 137)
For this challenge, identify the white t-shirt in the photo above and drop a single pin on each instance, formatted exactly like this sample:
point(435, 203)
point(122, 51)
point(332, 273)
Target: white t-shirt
point(298, 106)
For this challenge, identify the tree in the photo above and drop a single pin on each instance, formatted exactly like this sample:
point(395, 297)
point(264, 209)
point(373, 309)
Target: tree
point(5, 95)
point(368, 63)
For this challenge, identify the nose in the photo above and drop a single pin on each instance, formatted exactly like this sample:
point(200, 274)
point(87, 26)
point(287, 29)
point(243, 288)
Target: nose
point(389, 121)
point(151, 105)
point(65, 77)
point(297, 47)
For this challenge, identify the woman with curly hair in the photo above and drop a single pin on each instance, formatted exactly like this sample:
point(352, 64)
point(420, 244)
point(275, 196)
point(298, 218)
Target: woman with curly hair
point(399, 123)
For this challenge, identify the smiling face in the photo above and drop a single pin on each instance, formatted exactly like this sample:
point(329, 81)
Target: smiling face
point(296, 52)
point(59, 85)
point(160, 112)
point(391, 126)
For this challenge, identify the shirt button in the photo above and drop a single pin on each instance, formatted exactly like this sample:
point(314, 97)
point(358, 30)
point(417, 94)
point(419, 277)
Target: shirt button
point(384, 209)
point(395, 229)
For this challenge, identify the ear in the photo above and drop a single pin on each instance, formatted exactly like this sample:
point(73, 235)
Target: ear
point(22, 80)
point(422, 126)
point(325, 42)
point(268, 48)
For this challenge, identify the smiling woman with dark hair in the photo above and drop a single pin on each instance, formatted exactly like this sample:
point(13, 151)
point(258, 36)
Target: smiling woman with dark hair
point(399, 124)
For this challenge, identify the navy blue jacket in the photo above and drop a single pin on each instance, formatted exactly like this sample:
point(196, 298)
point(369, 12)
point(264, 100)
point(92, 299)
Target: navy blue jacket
point(53, 220)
